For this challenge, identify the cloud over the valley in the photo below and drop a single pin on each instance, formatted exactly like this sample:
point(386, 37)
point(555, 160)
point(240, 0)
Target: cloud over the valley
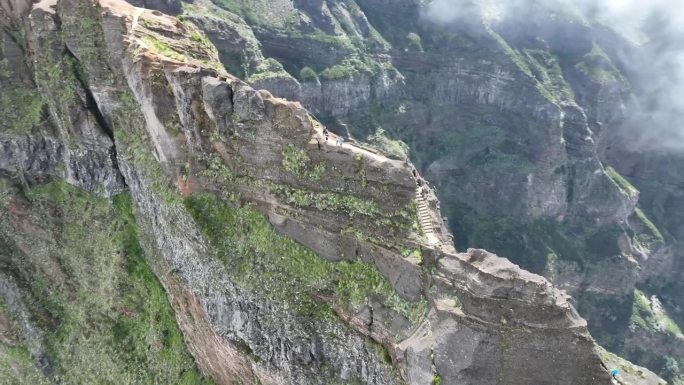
point(654, 28)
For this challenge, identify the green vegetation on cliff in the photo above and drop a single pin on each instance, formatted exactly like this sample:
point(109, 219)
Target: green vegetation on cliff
point(341, 33)
point(337, 71)
point(392, 148)
point(625, 187)
point(414, 42)
point(546, 69)
point(269, 68)
point(297, 162)
point(283, 270)
point(16, 366)
point(352, 66)
point(16, 363)
point(163, 48)
point(652, 229)
point(541, 65)
point(105, 315)
point(650, 316)
point(598, 67)
point(20, 109)
point(513, 54)
point(307, 74)
point(255, 12)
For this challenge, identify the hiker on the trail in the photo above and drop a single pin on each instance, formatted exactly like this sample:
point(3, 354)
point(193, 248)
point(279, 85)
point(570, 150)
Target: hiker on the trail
point(415, 173)
point(325, 133)
point(340, 140)
point(419, 181)
point(318, 142)
point(614, 373)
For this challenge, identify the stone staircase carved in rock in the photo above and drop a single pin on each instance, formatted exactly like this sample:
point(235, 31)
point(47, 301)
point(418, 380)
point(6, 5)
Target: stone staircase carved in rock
point(424, 218)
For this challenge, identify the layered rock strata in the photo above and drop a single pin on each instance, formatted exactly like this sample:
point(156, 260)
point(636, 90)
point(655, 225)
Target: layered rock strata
point(362, 296)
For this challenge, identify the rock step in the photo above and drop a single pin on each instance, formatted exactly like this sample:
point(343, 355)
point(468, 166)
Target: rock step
point(424, 217)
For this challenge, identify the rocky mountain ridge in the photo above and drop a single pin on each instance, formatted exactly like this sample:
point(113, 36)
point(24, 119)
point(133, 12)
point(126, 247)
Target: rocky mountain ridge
point(138, 101)
point(521, 118)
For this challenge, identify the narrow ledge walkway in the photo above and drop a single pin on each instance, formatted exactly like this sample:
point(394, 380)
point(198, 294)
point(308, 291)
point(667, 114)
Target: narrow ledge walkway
point(424, 218)
point(423, 211)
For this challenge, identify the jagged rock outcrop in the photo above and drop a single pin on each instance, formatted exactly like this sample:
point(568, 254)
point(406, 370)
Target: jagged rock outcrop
point(519, 119)
point(224, 179)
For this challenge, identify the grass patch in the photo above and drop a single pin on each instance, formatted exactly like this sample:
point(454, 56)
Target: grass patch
point(338, 71)
point(648, 224)
point(542, 66)
point(641, 311)
point(106, 316)
point(269, 68)
point(307, 74)
point(297, 162)
point(163, 48)
point(294, 159)
point(625, 186)
point(130, 132)
point(268, 13)
point(650, 317)
point(514, 55)
point(21, 109)
point(546, 70)
point(285, 271)
point(57, 79)
point(341, 203)
point(597, 73)
point(16, 367)
point(598, 67)
point(340, 41)
point(414, 42)
point(351, 66)
point(394, 148)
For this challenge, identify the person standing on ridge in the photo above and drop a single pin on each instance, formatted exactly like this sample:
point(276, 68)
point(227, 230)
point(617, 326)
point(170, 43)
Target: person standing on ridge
point(340, 140)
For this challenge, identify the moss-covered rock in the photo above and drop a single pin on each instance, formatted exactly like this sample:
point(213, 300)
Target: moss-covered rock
point(21, 109)
point(288, 260)
point(103, 314)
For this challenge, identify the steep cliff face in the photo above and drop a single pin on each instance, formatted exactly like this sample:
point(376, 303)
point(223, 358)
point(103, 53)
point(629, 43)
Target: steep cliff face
point(286, 258)
point(518, 120)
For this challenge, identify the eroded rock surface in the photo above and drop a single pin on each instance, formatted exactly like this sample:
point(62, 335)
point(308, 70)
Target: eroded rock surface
point(288, 258)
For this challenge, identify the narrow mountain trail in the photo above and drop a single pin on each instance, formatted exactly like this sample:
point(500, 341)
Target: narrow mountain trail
point(424, 217)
